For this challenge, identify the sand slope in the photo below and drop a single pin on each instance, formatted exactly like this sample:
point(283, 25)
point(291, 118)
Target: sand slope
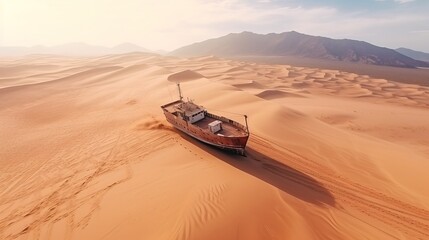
point(86, 153)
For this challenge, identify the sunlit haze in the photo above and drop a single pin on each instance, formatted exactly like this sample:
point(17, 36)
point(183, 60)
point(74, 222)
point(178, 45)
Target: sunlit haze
point(163, 24)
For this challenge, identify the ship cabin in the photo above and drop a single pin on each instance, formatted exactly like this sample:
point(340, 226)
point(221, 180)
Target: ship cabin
point(195, 116)
point(190, 112)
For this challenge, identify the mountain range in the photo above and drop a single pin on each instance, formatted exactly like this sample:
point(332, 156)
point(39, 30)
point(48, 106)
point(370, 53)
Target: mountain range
point(72, 49)
point(248, 44)
point(422, 56)
point(301, 45)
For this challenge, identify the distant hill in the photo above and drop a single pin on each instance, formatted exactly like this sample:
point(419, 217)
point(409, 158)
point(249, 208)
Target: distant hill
point(422, 56)
point(297, 44)
point(72, 49)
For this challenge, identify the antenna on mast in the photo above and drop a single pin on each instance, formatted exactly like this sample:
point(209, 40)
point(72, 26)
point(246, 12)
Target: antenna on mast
point(180, 91)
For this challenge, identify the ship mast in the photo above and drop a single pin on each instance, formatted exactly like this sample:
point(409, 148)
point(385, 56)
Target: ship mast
point(180, 91)
point(247, 126)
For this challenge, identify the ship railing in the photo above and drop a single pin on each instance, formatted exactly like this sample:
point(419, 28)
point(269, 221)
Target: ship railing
point(172, 103)
point(224, 119)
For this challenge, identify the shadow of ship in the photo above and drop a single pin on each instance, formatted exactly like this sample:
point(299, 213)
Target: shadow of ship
point(271, 171)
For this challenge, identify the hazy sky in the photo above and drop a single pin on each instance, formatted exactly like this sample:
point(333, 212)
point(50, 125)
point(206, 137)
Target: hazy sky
point(164, 24)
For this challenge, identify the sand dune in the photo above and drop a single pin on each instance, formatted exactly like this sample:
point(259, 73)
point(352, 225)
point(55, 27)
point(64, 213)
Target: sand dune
point(86, 153)
point(273, 94)
point(186, 75)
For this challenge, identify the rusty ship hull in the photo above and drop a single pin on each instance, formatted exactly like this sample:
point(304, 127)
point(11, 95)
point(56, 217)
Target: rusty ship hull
point(232, 136)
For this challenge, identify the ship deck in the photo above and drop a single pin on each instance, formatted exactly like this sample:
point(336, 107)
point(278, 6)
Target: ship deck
point(228, 129)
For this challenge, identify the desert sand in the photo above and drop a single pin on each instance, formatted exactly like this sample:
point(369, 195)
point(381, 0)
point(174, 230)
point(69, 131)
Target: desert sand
point(87, 154)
